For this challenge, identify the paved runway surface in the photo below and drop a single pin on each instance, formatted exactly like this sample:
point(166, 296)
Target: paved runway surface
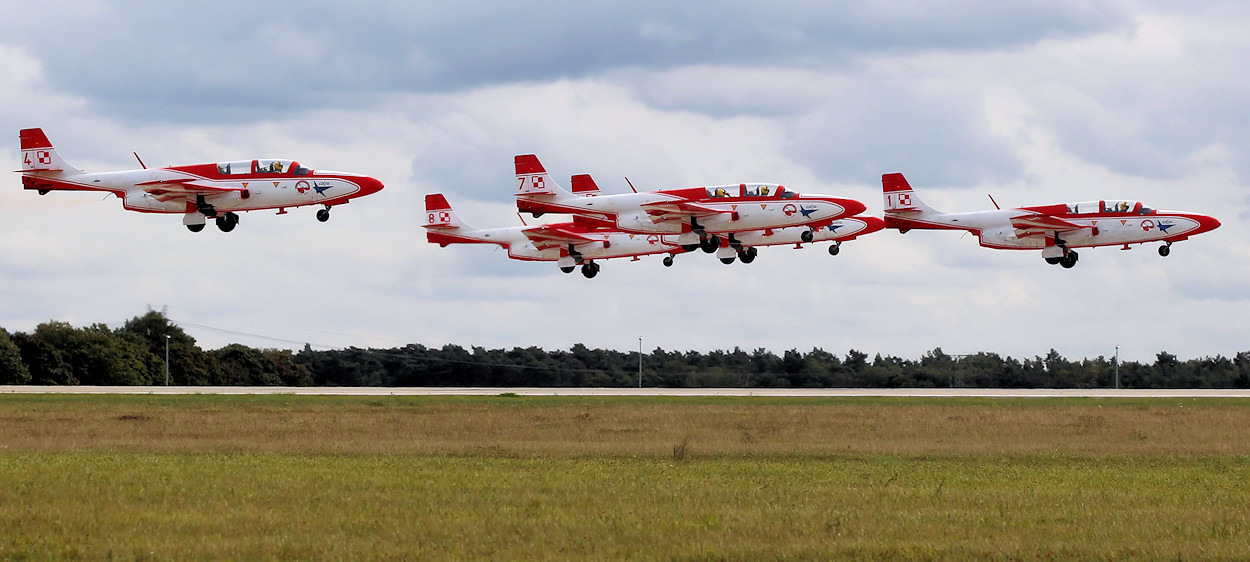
point(774, 392)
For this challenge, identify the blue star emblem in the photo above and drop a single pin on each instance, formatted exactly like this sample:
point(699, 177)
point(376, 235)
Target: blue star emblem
point(1163, 227)
point(807, 212)
point(321, 188)
point(834, 227)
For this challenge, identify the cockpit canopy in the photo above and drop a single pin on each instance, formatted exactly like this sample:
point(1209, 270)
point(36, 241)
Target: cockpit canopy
point(751, 190)
point(262, 167)
point(1113, 206)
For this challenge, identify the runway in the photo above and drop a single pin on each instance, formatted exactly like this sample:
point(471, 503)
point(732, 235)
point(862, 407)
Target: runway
point(741, 392)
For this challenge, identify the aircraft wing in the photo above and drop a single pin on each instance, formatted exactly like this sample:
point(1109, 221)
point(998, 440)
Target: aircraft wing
point(1030, 225)
point(548, 236)
point(166, 189)
point(672, 210)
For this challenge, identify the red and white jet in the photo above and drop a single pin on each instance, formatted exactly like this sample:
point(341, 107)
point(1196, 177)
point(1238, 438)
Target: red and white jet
point(569, 244)
point(1053, 229)
point(697, 215)
point(200, 191)
point(742, 245)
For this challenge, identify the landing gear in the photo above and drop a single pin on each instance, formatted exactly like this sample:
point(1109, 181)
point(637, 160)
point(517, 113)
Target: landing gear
point(748, 255)
point(807, 235)
point(324, 214)
point(195, 227)
point(668, 260)
point(568, 269)
point(1053, 261)
point(710, 244)
point(1069, 259)
point(590, 269)
point(835, 248)
point(727, 260)
point(227, 222)
point(1165, 249)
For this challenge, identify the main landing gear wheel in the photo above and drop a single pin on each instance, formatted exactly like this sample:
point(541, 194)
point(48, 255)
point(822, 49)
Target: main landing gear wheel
point(668, 261)
point(323, 215)
point(590, 270)
point(1053, 261)
point(690, 247)
point(227, 222)
point(748, 255)
point(195, 227)
point(727, 260)
point(1069, 260)
point(710, 244)
point(807, 235)
point(835, 248)
point(568, 269)
point(1165, 249)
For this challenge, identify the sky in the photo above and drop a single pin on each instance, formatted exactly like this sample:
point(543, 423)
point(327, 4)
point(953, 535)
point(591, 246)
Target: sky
point(1031, 102)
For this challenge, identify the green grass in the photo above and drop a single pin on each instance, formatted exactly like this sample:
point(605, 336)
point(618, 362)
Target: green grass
point(138, 505)
point(300, 477)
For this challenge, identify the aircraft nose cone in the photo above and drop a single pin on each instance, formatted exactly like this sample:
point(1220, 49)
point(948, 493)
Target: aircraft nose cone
point(1209, 223)
point(370, 185)
point(853, 207)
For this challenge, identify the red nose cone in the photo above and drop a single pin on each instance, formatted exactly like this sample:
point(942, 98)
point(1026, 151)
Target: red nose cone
point(1207, 224)
point(369, 185)
point(853, 207)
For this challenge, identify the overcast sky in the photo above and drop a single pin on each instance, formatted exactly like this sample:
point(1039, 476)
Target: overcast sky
point(1033, 102)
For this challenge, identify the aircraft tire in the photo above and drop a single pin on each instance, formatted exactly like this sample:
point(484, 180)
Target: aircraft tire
point(748, 256)
point(568, 269)
point(668, 261)
point(227, 222)
point(323, 215)
point(807, 235)
point(1053, 261)
point(1069, 261)
point(690, 247)
point(835, 249)
point(727, 260)
point(590, 270)
point(710, 244)
point(195, 227)
point(1165, 250)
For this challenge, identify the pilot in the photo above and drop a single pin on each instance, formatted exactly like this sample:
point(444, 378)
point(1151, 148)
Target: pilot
point(720, 192)
point(277, 167)
point(764, 191)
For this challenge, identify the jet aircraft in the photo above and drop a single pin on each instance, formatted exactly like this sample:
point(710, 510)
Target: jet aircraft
point(1053, 229)
point(569, 244)
point(697, 215)
point(200, 191)
point(742, 245)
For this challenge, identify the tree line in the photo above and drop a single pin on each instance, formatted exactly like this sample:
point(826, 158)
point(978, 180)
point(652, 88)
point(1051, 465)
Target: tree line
point(55, 353)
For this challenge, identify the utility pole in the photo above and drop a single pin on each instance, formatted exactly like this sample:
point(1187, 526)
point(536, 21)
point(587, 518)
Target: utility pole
point(1117, 367)
point(640, 362)
point(166, 359)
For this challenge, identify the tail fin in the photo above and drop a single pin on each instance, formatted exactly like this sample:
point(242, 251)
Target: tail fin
point(899, 196)
point(38, 155)
point(532, 178)
point(439, 213)
point(584, 185)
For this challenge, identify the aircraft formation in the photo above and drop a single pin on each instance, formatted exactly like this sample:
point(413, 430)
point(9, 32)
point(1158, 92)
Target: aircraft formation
point(731, 221)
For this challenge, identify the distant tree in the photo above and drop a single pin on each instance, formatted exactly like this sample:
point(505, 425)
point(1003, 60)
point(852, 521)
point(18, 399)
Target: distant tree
point(96, 356)
point(188, 364)
point(240, 365)
point(12, 369)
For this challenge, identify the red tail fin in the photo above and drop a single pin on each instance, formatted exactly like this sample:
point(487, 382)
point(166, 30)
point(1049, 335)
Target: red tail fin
point(583, 184)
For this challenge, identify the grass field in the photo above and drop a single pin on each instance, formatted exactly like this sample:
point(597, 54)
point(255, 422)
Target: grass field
point(140, 477)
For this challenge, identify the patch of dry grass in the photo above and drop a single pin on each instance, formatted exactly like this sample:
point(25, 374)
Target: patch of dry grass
point(566, 427)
